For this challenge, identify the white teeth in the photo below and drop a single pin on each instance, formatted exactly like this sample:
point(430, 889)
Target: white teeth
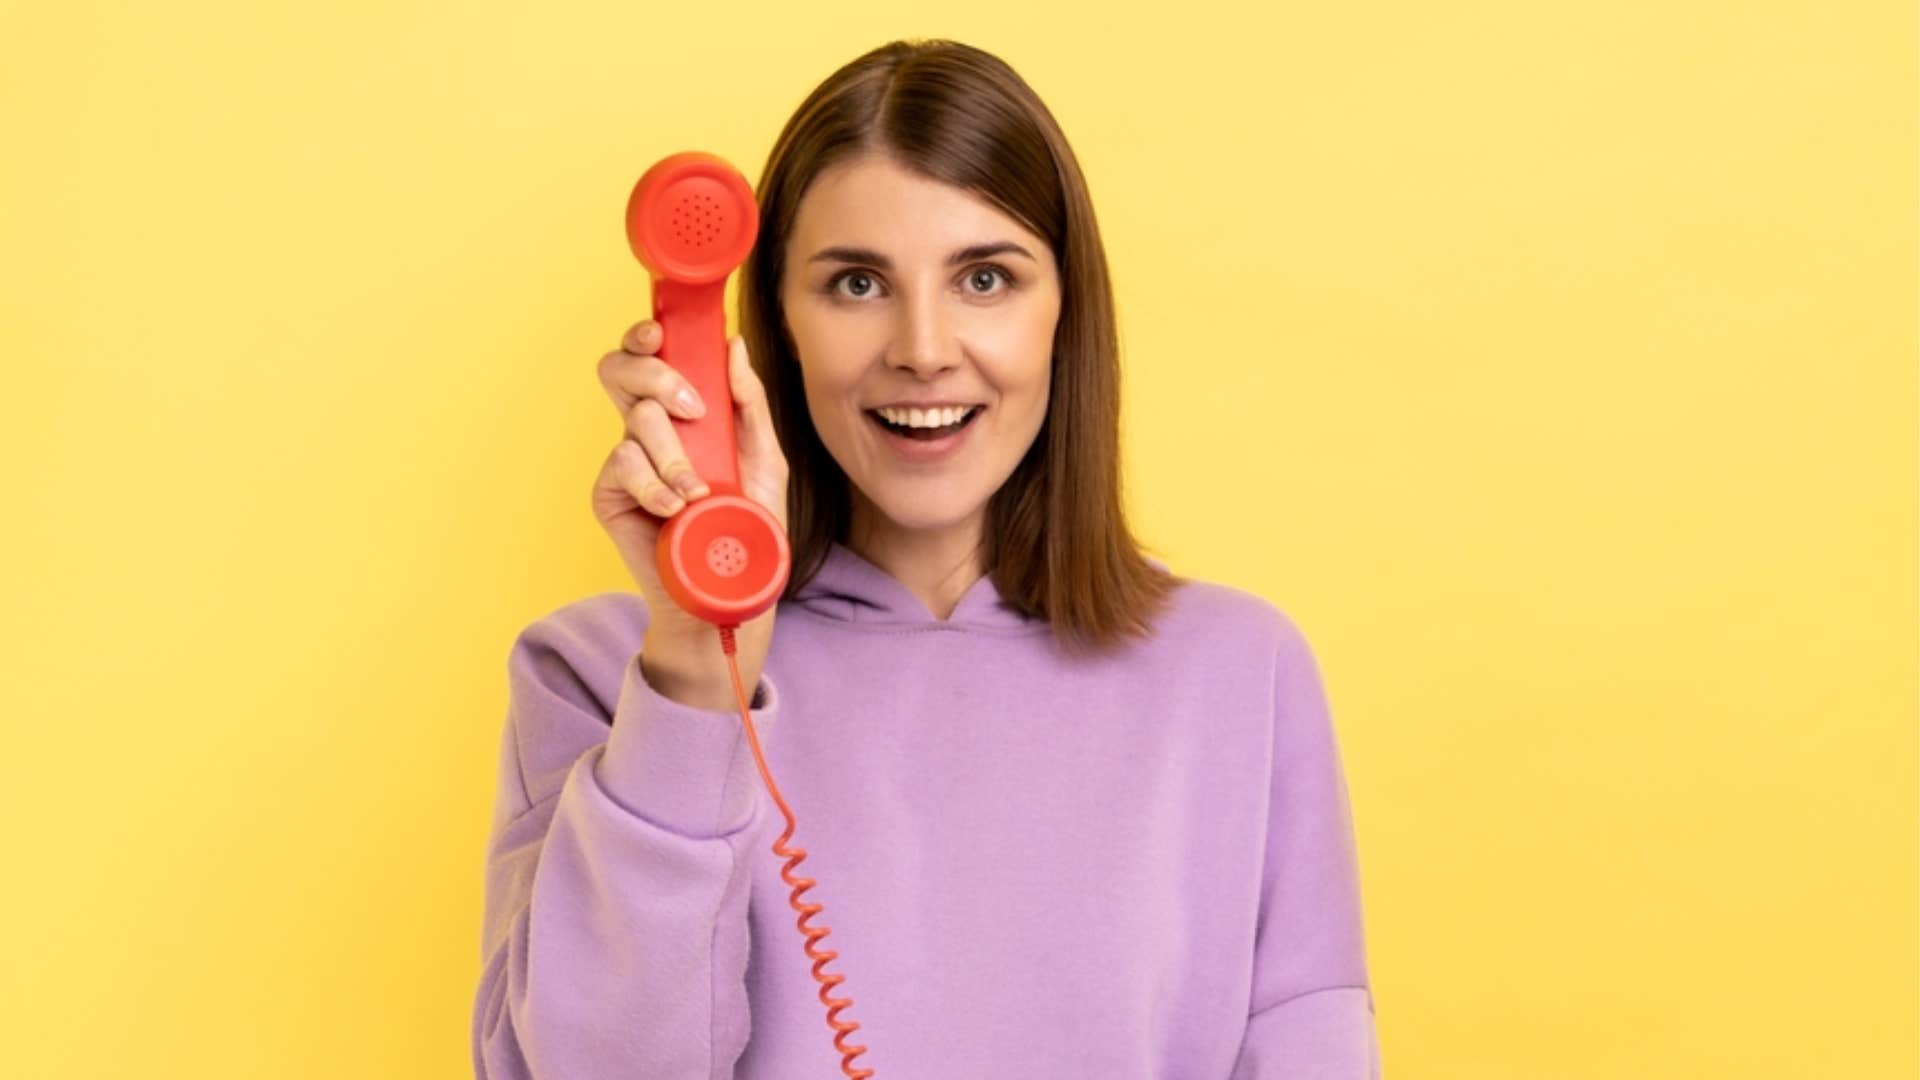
point(925, 417)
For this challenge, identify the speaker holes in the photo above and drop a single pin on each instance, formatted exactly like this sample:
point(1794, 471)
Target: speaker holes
point(727, 556)
point(698, 219)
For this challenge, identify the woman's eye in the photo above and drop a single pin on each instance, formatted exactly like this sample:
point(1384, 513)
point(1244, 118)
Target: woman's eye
point(987, 274)
point(833, 286)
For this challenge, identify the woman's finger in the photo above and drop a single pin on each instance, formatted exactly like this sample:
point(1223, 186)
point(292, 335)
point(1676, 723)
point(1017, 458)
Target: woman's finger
point(628, 379)
point(653, 429)
point(628, 477)
point(642, 338)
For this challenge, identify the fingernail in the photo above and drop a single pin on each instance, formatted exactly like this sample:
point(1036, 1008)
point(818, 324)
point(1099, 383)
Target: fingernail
point(690, 402)
point(690, 485)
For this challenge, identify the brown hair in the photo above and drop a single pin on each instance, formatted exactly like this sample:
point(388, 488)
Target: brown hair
point(1057, 541)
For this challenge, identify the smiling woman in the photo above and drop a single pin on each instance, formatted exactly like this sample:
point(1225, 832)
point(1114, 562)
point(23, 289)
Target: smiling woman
point(1079, 817)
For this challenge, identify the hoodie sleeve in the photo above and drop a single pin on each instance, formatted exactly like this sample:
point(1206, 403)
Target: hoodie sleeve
point(614, 933)
point(1311, 1015)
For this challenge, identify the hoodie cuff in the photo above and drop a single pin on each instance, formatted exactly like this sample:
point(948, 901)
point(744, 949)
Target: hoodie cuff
point(687, 769)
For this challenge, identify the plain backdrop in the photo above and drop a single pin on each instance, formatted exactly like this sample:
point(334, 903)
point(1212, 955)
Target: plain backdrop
point(1552, 365)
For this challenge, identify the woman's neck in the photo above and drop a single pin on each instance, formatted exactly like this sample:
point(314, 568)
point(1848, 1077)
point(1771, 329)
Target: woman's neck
point(936, 565)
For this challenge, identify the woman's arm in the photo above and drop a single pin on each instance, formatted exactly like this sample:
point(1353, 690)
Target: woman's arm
point(614, 938)
point(1312, 1010)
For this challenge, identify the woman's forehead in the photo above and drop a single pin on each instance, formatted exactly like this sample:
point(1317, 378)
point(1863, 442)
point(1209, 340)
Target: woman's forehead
point(876, 205)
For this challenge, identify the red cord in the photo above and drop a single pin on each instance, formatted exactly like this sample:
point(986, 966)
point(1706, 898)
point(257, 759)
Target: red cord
point(800, 885)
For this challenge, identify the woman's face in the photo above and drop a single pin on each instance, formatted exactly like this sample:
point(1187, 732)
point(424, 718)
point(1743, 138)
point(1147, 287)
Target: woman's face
point(891, 295)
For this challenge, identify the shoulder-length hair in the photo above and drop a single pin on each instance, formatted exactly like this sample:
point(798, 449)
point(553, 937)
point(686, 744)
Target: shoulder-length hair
point(1057, 541)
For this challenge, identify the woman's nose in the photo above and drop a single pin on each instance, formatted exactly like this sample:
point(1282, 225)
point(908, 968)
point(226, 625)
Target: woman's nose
point(923, 337)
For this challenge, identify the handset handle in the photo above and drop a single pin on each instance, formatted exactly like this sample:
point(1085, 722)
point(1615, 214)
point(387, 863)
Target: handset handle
point(693, 341)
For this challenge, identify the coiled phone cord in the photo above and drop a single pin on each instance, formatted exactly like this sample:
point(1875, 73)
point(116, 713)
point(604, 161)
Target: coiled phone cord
point(793, 856)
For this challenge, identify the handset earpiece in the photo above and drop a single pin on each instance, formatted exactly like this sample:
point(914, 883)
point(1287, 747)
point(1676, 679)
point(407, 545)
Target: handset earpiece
point(691, 220)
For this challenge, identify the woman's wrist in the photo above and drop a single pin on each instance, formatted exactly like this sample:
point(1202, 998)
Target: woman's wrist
point(691, 678)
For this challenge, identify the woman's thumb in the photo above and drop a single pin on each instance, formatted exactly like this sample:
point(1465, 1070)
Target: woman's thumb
point(759, 449)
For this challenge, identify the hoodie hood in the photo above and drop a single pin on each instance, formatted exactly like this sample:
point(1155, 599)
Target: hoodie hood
point(848, 588)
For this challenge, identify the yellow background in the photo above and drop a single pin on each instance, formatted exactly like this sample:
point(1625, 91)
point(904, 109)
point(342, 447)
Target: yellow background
point(1552, 366)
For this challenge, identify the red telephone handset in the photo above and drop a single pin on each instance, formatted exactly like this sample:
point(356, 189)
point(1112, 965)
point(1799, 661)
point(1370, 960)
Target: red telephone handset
point(724, 558)
point(691, 220)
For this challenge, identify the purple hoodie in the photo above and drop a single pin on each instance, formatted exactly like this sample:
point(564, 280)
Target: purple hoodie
point(1135, 867)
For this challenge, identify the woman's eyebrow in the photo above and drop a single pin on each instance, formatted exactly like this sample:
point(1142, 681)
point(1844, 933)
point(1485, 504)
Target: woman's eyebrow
point(874, 258)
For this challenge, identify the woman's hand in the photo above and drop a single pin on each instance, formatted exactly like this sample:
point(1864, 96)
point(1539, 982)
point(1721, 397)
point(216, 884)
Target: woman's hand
point(647, 478)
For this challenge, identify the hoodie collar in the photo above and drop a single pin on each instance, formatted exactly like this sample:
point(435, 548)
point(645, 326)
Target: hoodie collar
point(848, 588)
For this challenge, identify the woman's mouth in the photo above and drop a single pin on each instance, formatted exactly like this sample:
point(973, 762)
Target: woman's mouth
point(924, 444)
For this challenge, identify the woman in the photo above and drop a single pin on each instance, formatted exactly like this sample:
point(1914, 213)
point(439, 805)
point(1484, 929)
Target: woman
point(1070, 816)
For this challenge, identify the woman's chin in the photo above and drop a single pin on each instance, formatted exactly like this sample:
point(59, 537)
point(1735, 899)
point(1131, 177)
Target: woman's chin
point(928, 511)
